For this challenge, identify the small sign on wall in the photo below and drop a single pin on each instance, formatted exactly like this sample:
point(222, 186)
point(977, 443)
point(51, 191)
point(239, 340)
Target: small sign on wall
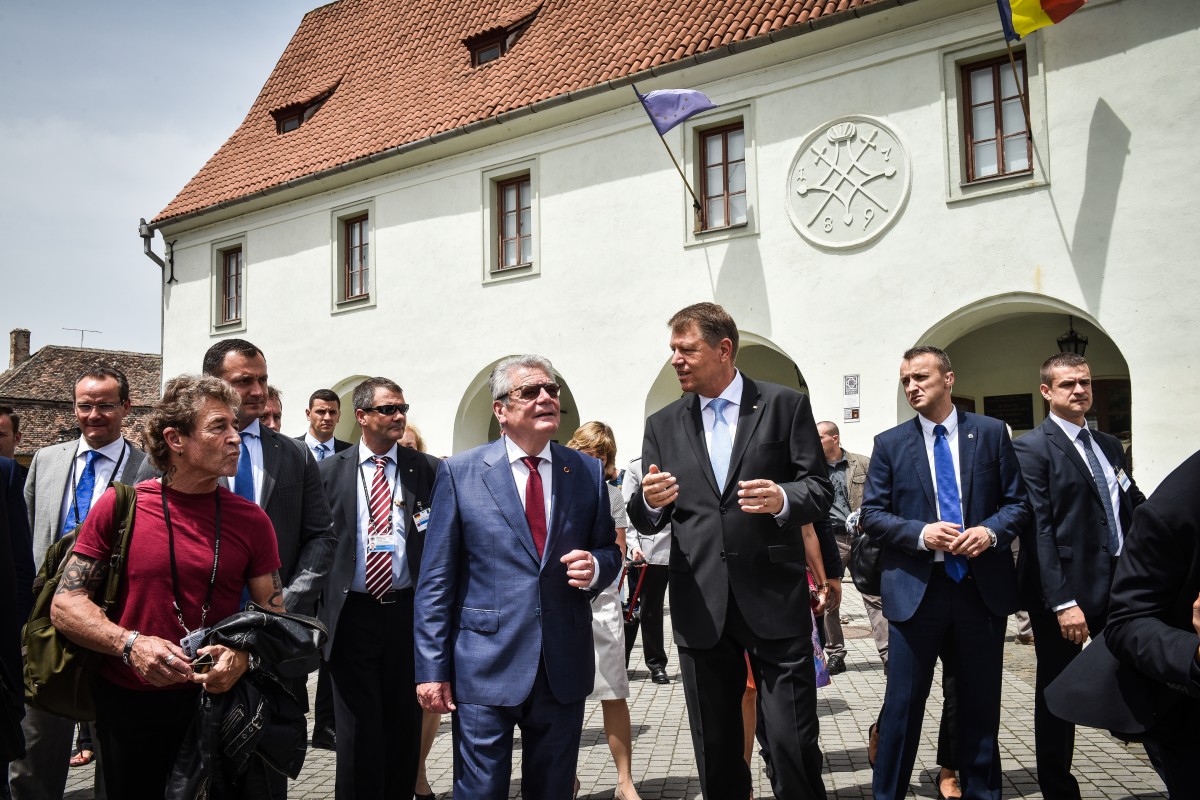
point(851, 403)
point(1014, 409)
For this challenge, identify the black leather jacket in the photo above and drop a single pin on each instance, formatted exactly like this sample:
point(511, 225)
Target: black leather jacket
point(258, 725)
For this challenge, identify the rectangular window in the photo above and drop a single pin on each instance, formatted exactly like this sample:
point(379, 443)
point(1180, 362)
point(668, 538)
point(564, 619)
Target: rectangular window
point(231, 286)
point(356, 278)
point(515, 206)
point(723, 176)
point(997, 140)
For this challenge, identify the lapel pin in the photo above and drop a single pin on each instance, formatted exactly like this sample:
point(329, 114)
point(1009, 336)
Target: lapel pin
point(567, 470)
point(970, 436)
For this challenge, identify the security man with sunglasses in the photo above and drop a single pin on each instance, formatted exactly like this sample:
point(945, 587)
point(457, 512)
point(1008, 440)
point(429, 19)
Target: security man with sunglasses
point(379, 493)
point(65, 481)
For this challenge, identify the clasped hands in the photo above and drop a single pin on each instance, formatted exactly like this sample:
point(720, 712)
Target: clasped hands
point(946, 536)
point(162, 663)
point(759, 496)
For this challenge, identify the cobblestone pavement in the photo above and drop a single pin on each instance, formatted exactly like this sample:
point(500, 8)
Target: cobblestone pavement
point(665, 768)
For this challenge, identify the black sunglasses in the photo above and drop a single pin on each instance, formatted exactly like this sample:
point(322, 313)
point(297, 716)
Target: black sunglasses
point(389, 410)
point(533, 391)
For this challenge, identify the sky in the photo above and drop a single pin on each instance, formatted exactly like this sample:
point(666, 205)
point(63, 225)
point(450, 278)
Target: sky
point(106, 110)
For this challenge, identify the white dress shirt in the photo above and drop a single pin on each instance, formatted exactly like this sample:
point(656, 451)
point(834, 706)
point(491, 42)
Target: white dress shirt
point(253, 440)
point(313, 443)
point(105, 464)
point(951, 424)
point(366, 472)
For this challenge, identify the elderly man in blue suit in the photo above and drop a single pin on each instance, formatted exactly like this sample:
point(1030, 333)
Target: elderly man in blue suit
point(519, 538)
point(944, 495)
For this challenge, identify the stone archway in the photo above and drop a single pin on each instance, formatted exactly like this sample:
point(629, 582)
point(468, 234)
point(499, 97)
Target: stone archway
point(758, 357)
point(475, 424)
point(347, 428)
point(997, 347)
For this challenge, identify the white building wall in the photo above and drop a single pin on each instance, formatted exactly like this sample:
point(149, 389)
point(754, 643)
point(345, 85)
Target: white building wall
point(1112, 239)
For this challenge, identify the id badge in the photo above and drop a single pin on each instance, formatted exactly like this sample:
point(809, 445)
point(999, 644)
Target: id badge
point(385, 543)
point(193, 642)
point(1123, 480)
point(422, 520)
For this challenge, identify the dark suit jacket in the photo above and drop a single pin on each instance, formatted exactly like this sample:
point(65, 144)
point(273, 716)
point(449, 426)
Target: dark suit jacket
point(488, 610)
point(715, 546)
point(1064, 550)
point(16, 568)
point(338, 444)
point(294, 498)
point(1157, 581)
point(899, 502)
point(340, 475)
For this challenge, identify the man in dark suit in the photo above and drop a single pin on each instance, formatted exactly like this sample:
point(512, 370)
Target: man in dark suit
point(519, 540)
point(736, 468)
point(278, 474)
point(1154, 620)
point(324, 412)
point(380, 498)
point(16, 598)
point(1070, 550)
point(944, 495)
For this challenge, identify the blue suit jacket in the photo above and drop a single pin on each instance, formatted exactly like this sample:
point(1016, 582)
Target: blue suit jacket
point(899, 502)
point(487, 609)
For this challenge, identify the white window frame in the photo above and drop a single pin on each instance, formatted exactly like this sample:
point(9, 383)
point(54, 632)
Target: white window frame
point(338, 219)
point(693, 165)
point(958, 188)
point(491, 180)
point(218, 327)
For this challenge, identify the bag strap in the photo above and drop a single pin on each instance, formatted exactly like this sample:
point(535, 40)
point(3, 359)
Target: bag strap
point(126, 505)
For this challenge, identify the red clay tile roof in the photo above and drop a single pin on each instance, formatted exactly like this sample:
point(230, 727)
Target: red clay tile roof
point(404, 74)
point(41, 391)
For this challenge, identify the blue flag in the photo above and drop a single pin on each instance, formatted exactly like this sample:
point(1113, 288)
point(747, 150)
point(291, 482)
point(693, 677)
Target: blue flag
point(669, 107)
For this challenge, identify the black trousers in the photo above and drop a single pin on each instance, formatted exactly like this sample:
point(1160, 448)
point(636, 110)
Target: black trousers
point(374, 698)
point(1054, 738)
point(654, 590)
point(714, 680)
point(140, 733)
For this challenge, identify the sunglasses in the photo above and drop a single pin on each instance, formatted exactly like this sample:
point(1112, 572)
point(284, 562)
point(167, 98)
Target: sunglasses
point(533, 391)
point(389, 410)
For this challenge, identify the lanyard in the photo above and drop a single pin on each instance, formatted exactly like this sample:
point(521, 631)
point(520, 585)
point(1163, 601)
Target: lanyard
point(373, 527)
point(111, 478)
point(175, 570)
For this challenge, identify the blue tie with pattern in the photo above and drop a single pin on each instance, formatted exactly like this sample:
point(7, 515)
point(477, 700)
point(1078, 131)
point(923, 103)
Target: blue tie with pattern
point(81, 504)
point(243, 484)
point(949, 504)
point(321, 450)
point(720, 449)
point(1114, 542)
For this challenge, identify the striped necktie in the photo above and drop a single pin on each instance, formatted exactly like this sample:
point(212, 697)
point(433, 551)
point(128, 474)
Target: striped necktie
point(379, 562)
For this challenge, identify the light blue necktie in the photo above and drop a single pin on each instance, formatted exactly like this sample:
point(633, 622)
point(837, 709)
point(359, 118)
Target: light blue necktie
point(949, 504)
point(1114, 543)
point(244, 482)
point(720, 449)
point(81, 504)
point(320, 448)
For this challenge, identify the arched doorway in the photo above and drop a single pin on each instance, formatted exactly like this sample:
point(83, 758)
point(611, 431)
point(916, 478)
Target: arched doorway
point(758, 358)
point(997, 347)
point(475, 424)
point(347, 428)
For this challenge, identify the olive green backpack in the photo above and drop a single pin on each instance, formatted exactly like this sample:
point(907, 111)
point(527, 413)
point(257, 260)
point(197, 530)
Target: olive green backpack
point(60, 674)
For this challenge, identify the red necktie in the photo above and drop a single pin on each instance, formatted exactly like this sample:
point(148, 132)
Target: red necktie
point(535, 504)
point(379, 562)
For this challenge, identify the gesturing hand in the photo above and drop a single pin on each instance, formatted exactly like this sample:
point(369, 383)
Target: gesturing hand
point(760, 496)
point(659, 488)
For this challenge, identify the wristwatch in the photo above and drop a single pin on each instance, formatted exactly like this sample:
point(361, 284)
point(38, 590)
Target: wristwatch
point(128, 651)
point(252, 661)
point(992, 534)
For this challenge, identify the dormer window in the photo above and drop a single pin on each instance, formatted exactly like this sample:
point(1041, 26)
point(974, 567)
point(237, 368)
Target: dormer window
point(294, 115)
point(489, 45)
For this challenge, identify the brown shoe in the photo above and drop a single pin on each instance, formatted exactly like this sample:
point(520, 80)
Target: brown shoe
point(1024, 638)
point(872, 742)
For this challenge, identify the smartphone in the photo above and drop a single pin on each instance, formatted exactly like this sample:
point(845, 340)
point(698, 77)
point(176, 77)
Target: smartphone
point(203, 663)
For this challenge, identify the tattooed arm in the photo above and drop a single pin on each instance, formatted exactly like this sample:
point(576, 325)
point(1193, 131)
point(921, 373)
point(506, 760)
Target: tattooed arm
point(76, 614)
point(267, 591)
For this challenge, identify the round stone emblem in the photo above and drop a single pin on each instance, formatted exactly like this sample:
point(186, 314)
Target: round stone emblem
point(848, 182)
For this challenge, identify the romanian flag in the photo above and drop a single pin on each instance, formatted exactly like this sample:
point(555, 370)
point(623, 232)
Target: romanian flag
point(1023, 17)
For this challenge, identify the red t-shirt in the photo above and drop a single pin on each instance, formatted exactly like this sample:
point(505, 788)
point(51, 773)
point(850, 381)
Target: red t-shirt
point(145, 600)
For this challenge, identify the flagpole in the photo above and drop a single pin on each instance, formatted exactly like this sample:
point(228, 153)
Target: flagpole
point(1020, 90)
point(696, 205)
